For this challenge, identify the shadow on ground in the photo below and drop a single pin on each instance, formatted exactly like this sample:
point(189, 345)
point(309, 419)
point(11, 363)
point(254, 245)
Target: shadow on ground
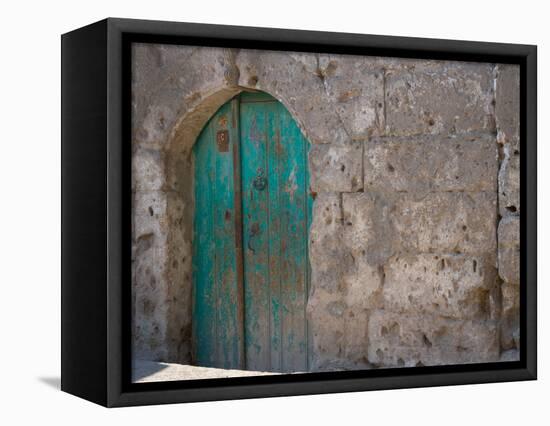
point(143, 369)
point(54, 382)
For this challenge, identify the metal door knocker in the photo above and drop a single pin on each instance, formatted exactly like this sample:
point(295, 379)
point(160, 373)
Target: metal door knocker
point(260, 181)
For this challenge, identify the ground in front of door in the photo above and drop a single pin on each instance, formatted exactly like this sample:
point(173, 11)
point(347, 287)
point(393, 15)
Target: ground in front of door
point(151, 371)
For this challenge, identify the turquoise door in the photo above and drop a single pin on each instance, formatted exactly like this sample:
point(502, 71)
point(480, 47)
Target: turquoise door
point(252, 215)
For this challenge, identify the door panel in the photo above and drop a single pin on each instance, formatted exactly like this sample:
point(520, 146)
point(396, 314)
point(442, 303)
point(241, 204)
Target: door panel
point(254, 127)
point(290, 151)
point(216, 322)
point(276, 210)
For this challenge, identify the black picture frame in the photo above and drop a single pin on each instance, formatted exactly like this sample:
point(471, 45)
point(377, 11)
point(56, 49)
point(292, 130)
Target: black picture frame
point(96, 157)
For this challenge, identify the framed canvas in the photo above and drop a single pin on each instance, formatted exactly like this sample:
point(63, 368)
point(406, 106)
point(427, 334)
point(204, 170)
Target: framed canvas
point(253, 212)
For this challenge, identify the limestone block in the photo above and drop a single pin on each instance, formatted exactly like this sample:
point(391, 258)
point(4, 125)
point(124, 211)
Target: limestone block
point(447, 222)
point(356, 88)
point(396, 339)
point(309, 61)
point(432, 163)
point(162, 277)
point(179, 276)
point(454, 286)
point(444, 97)
point(508, 183)
point(147, 170)
point(149, 214)
point(290, 79)
point(338, 332)
point(363, 283)
point(327, 255)
point(509, 331)
point(508, 249)
point(379, 225)
point(355, 345)
point(368, 236)
point(325, 311)
point(369, 227)
point(149, 302)
point(149, 287)
point(336, 167)
point(507, 104)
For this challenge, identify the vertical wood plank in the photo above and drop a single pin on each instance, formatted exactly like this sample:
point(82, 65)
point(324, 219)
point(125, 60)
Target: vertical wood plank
point(217, 327)
point(276, 234)
point(294, 260)
point(224, 218)
point(237, 203)
point(255, 238)
point(204, 324)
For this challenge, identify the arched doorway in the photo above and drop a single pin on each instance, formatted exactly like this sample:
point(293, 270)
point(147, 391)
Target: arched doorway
point(250, 254)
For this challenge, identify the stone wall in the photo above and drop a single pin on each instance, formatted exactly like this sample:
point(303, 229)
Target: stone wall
point(414, 167)
point(507, 121)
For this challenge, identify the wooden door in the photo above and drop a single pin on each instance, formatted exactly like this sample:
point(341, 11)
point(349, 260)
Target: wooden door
point(252, 215)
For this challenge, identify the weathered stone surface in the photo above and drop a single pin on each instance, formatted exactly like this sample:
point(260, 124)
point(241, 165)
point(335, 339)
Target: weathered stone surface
point(169, 81)
point(357, 91)
point(447, 222)
point(336, 167)
point(508, 183)
point(339, 332)
point(161, 267)
point(432, 163)
point(147, 170)
point(454, 286)
point(336, 313)
point(153, 63)
point(444, 222)
point(508, 249)
point(363, 283)
point(507, 104)
point(309, 61)
point(509, 330)
point(289, 79)
point(511, 355)
point(149, 210)
point(444, 97)
point(178, 275)
point(355, 350)
point(402, 340)
point(328, 258)
point(149, 302)
point(369, 226)
point(327, 335)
